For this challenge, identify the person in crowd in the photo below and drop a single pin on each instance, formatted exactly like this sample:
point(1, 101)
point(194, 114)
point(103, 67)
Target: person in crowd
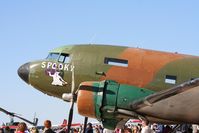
point(126, 129)
point(34, 130)
point(75, 130)
point(47, 127)
point(96, 130)
point(81, 128)
point(135, 129)
point(117, 130)
point(89, 128)
point(145, 127)
point(160, 128)
point(107, 131)
point(22, 128)
point(1, 130)
point(7, 129)
point(194, 128)
point(78, 130)
point(186, 128)
point(167, 129)
point(100, 128)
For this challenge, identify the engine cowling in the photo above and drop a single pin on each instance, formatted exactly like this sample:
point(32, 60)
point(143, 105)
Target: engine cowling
point(86, 100)
point(102, 101)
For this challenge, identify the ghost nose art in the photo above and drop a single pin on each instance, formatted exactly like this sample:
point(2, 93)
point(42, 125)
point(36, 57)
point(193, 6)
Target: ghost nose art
point(23, 72)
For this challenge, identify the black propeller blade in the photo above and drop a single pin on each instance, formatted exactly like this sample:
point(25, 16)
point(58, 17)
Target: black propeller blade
point(70, 117)
point(74, 96)
point(85, 124)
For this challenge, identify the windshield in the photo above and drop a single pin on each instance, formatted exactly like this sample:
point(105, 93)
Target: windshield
point(53, 56)
point(63, 58)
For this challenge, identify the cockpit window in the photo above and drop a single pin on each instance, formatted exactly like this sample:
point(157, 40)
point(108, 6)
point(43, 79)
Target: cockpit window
point(64, 58)
point(53, 56)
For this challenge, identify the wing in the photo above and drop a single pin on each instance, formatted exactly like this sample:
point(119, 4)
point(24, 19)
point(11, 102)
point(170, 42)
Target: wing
point(179, 104)
point(6, 112)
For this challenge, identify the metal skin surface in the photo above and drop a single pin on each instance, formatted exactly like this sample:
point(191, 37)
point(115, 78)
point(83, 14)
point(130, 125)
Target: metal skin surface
point(146, 70)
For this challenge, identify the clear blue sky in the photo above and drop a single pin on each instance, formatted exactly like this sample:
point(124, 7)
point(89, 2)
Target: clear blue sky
point(30, 28)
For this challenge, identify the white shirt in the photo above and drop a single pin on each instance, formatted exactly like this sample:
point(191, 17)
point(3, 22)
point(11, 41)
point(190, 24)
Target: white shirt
point(146, 129)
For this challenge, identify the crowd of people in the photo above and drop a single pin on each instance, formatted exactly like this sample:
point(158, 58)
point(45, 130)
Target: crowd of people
point(144, 127)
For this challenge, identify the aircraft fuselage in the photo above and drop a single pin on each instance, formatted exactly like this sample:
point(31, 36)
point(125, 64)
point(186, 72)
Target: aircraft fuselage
point(153, 70)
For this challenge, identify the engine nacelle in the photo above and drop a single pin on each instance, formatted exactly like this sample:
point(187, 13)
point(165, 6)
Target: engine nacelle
point(104, 101)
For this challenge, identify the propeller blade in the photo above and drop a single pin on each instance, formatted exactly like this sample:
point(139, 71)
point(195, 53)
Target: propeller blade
point(85, 124)
point(70, 117)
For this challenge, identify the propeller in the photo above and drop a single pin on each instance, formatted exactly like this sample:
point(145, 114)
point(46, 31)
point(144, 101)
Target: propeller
point(72, 100)
point(17, 116)
point(70, 117)
point(85, 124)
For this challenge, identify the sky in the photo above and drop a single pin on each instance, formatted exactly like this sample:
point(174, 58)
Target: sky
point(30, 28)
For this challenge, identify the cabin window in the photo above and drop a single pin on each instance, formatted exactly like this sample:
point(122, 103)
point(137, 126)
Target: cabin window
point(53, 56)
point(64, 58)
point(116, 62)
point(170, 79)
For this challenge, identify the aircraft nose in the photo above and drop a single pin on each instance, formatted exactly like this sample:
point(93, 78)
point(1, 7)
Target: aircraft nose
point(23, 72)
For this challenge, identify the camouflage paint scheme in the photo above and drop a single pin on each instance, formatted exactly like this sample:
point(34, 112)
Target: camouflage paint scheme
point(146, 72)
point(146, 68)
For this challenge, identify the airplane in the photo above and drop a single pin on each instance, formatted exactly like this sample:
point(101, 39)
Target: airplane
point(116, 83)
point(13, 125)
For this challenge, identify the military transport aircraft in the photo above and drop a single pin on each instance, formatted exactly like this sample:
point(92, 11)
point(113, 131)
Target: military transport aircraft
point(115, 83)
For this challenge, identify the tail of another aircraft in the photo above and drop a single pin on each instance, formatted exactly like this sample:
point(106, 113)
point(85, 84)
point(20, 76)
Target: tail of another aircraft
point(64, 123)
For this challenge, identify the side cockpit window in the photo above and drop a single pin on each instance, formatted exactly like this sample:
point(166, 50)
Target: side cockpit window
point(64, 58)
